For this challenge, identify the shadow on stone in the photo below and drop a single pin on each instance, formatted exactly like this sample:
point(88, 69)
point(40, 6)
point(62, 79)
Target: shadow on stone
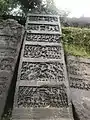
point(75, 116)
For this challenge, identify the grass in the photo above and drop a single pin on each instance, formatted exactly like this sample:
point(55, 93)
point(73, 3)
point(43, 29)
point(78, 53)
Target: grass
point(76, 51)
point(76, 41)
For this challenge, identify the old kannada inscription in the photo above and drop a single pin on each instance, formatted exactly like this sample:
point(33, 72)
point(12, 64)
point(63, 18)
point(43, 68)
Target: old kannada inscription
point(38, 51)
point(43, 18)
point(42, 96)
point(45, 28)
point(44, 71)
point(43, 37)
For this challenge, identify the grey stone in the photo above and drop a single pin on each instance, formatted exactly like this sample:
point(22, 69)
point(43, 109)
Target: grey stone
point(10, 42)
point(79, 79)
point(42, 91)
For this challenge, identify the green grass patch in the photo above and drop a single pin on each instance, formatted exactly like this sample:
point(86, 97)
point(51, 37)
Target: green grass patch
point(76, 41)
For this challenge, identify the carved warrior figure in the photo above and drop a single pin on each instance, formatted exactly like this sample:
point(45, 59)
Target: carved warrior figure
point(42, 90)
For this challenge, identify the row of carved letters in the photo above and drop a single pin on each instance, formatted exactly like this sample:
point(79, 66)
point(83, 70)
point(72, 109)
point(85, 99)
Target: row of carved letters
point(43, 37)
point(43, 18)
point(42, 96)
point(46, 28)
point(40, 71)
point(37, 51)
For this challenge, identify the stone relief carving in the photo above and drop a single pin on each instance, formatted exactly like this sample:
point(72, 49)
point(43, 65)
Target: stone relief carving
point(43, 18)
point(39, 71)
point(46, 28)
point(42, 96)
point(79, 83)
point(6, 64)
point(38, 51)
point(43, 38)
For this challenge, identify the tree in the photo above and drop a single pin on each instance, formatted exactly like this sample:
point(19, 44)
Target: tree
point(6, 6)
point(47, 5)
point(9, 7)
point(3, 6)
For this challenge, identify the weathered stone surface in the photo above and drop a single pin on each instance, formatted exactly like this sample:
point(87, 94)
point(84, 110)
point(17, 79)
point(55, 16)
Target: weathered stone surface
point(42, 91)
point(10, 42)
point(79, 78)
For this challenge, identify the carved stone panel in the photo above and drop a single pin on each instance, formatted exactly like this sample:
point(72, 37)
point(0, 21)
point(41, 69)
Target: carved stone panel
point(41, 28)
point(42, 71)
point(43, 18)
point(42, 96)
point(43, 38)
point(38, 51)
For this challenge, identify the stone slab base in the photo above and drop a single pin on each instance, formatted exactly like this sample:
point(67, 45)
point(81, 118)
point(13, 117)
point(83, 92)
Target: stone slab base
point(42, 114)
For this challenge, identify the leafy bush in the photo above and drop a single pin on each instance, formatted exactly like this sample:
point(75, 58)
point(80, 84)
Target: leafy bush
point(76, 41)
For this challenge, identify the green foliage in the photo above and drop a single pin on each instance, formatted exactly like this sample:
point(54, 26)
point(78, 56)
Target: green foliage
point(76, 41)
point(6, 6)
point(3, 6)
